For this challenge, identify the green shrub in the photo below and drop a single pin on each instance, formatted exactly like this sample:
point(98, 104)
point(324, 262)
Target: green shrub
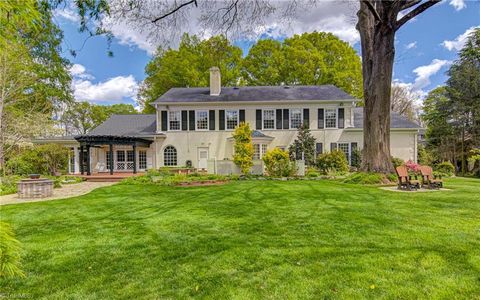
point(278, 164)
point(397, 162)
point(446, 168)
point(243, 147)
point(312, 173)
point(356, 158)
point(8, 184)
point(332, 162)
point(425, 157)
point(41, 159)
point(369, 178)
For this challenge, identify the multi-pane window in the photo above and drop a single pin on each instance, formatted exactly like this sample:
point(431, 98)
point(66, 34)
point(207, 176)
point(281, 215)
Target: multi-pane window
point(120, 155)
point(264, 150)
point(130, 155)
point(108, 160)
point(202, 120)
point(295, 118)
point(170, 156)
point(269, 119)
point(345, 147)
point(174, 120)
point(259, 151)
point(142, 159)
point(330, 118)
point(231, 117)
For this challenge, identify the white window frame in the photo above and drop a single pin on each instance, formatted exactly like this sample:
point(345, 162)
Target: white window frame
point(274, 118)
point(349, 157)
point(196, 120)
point(290, 117)
point(226, 118)
point(180, 121)
point(325, 118)
point(262, 150)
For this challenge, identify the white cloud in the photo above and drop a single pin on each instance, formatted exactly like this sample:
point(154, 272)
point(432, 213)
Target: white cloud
point(425, 72)
point(115, 89)
point(67, 13)
point(458, 4)
point(129, 36)
point(411, 45)
point(459, 41)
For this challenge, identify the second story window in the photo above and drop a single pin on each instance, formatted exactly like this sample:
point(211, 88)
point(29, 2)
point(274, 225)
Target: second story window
point(296, 118)
point(202, 120)
point(330, 118)
point(268, 119)
point(231, 117)
point(174, 120)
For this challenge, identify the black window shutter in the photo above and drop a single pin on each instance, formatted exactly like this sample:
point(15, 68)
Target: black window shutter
point(221, 120)
point(286, 114)
point(341, 118)
point(211, 120)
point(333, 146)
point(184, 120)
point(279, 118)
point(319, 148)
point(306, 118)
point(258, 119)
point(242, 115)
point(164, 120)
point(321, 119)
point(191, 119)
point(354, 145)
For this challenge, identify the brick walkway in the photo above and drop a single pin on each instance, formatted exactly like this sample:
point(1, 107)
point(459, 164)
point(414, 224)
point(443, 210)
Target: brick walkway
point(66, 191)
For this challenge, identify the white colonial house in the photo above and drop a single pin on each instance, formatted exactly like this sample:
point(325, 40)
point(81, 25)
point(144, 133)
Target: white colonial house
point(194, 126)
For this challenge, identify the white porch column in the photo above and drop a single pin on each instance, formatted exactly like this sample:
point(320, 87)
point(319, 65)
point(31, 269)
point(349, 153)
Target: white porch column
point(76, 156)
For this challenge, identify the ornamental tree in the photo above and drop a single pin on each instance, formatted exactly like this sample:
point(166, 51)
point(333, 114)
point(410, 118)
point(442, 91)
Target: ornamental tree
point(243, 147)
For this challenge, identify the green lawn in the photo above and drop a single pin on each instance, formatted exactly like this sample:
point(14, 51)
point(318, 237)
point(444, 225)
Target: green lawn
point(251, 240)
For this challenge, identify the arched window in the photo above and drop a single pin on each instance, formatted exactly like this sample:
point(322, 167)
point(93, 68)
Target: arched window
point(170, 156)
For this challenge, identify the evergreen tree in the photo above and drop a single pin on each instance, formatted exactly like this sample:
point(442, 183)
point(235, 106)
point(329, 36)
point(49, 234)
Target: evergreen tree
point(303, 148)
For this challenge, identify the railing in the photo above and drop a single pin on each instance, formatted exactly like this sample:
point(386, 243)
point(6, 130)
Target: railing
point(124, 165)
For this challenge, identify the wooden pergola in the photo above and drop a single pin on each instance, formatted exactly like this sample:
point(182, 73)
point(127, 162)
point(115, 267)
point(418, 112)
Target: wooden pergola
point(89, 141)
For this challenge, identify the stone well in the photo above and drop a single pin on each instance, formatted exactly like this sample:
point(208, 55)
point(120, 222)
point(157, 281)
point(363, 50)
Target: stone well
point(34, 188)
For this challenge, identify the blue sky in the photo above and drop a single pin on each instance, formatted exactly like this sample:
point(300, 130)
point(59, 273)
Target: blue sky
point(425, 47)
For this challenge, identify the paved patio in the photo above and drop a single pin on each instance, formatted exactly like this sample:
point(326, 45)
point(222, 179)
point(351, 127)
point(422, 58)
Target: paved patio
point(66, 191)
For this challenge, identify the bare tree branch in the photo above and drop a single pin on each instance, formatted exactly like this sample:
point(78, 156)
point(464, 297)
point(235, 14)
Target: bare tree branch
point(418, 10)
point(409, 3)
point(175, 10)
point(372, 9)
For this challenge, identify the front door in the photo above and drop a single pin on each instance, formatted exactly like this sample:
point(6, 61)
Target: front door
point(202, 158)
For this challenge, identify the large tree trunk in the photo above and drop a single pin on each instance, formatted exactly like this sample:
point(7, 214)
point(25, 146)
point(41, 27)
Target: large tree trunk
point(378, 54)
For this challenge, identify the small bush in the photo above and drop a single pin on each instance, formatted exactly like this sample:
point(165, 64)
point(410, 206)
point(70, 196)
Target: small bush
point(332, 162)
point(8, 184)
point(397, 162)
point(47, 159)
point(369, 178)
point(356, 158)
point(446, 168)
point(278, 164)
point(312, 173)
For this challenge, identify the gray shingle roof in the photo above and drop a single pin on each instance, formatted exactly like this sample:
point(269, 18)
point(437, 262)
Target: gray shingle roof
point(127, 125)
point(256, 93)
point(259, 134)
point(396, 120)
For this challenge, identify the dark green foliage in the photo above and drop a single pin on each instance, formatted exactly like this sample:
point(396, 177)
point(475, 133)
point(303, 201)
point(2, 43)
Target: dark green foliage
point(165, 176)
point(251, 239)
point(426, 157)
point(332, 162)
point(445, 168)
point(356, 158)
point(303, 147)
point(312, 173)
point(45, 159)
point(397, 162)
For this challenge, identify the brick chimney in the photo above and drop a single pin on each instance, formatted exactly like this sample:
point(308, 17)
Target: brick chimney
point(215, 81)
